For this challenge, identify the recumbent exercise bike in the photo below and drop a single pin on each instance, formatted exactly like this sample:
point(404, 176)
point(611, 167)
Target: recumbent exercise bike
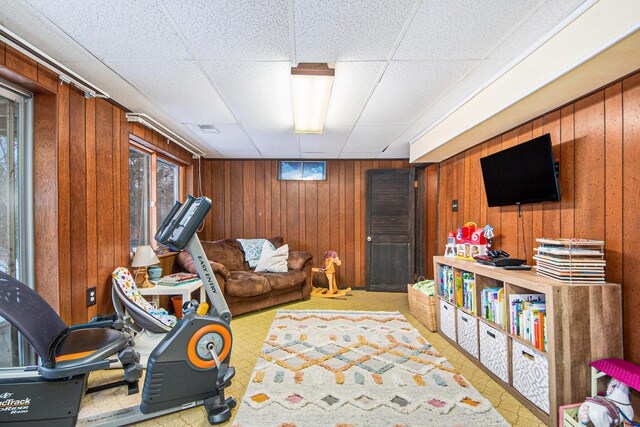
point(189, 367)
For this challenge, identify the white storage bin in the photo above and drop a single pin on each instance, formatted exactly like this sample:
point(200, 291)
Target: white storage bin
point(530, 374)
point(448, 319)
point(468, 333)
point(493, 351)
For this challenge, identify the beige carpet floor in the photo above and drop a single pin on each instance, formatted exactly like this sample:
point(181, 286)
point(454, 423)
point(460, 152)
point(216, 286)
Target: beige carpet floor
point(250, 330)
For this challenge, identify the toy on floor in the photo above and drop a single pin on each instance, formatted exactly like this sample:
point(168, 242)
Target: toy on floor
point(471, 241)
point(328, 279)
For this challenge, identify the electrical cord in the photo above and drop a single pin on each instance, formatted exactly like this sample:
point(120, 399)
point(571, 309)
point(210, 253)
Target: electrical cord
point(524, 243)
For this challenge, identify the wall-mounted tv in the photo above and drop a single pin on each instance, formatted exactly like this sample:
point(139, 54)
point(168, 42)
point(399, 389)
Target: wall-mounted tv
point(525, 173)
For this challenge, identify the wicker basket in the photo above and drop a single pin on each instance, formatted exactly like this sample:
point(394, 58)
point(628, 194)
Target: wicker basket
point(423, 308)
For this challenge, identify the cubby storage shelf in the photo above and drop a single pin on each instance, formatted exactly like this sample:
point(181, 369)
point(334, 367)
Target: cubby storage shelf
point(572, 312)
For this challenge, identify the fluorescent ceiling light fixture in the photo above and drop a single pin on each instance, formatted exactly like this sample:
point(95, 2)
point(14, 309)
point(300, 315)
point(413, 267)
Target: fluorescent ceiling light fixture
point(310, 87)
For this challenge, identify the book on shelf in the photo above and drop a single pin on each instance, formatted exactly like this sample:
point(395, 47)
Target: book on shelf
point(445, 281)
point(465, 290)
point(492, 303)
point(528, 315)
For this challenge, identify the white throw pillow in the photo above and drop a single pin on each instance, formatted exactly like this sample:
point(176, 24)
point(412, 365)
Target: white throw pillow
point(273, 260)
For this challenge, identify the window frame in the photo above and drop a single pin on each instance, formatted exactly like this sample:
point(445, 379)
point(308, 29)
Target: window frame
point(25, 254)
point(155, 154)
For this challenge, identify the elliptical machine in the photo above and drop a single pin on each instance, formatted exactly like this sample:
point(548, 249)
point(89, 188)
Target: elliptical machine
point(189, 367)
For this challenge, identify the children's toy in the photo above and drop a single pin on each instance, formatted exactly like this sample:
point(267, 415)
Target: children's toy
point(471, 241)
point(318, 280)
point(451, 250)
point(611, 410)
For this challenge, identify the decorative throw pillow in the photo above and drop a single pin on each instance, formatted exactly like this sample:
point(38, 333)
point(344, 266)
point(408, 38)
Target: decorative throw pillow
point(253, 249)
point(273, 260)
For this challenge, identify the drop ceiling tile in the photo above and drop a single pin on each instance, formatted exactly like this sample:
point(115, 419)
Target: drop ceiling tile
point(483, 73)
point(331, 140)
point(397, 150)
point(275, 141)
point(230, 139)
point(241, 154)
point(257, 92)
point(465, 29)
point(359, 155)
point(351, 87)
point(121, 30)
point(329, 31)
point(179, 87)
point(541, 22)
point(407, 88)
point(371, 138)
point(234, 30)
point(320, 156)
point(21, 18)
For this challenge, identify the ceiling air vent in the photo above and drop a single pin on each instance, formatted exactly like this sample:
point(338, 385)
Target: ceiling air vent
point(208, 129)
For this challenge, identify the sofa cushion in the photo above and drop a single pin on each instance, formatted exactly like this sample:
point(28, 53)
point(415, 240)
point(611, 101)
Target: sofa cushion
point(290, 279)
point(252, 249)
point(276, 241)
point(246, 284)
point(273, 260)
point(228, 252)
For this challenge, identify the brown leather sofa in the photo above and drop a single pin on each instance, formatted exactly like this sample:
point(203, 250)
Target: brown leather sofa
point(244, 289)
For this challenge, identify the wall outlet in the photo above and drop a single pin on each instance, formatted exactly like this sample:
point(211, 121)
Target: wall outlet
point(91, 296)
point(454, 205)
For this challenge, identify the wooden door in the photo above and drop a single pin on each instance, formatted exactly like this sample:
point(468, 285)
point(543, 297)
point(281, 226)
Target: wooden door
point(390, 229)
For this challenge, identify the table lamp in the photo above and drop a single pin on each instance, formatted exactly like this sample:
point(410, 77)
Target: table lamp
point(144, 257)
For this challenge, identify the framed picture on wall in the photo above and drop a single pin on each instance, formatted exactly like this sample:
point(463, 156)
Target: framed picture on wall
point(314, 171)
point(296, 170)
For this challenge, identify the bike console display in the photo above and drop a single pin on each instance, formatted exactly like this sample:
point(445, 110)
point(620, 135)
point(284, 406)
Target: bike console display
point(182, 222)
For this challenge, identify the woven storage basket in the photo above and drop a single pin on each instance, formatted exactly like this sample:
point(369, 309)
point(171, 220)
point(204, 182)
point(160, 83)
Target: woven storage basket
point(423, 308)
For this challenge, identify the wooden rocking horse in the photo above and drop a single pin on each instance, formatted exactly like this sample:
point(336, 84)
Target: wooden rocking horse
point(329, 264)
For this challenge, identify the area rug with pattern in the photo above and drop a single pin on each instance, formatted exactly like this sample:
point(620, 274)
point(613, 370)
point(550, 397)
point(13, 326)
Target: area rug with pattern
point(356, 368)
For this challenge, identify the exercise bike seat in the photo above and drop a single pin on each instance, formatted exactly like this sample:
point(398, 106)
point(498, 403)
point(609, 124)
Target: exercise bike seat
point(63, 351)
point(87, 345)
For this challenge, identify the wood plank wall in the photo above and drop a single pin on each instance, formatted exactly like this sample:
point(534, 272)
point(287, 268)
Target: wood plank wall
point(314, 216)
point(81, 187)
point(596, 139)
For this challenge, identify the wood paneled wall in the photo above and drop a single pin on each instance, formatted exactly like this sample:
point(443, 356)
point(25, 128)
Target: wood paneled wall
point(596, 139)
point(314, 216)
point(81, 187)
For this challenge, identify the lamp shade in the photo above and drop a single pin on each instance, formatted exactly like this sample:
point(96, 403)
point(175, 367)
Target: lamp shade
point(144, 257)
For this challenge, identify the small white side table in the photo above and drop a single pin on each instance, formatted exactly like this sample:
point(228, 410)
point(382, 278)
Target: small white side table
point(185, 290)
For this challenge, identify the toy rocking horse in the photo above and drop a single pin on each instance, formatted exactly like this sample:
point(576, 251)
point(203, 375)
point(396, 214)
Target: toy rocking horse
point(612, 410)
point(329, 264)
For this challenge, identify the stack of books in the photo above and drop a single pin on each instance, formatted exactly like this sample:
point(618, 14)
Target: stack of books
point(492, 305)
point(579, 261)
point(445, 282)
point(528, 314)
point(178, 279)
point(465, 289)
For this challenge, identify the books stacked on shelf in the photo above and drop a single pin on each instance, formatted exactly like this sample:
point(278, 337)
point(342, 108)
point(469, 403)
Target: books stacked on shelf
point(465, 289)
point(178, 279)
point(528, 315)
point(492, 305)
point(578, 261)
point(445, 281)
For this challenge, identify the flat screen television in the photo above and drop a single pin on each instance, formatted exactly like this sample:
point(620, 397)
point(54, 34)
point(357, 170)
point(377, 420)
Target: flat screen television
point(525, 173)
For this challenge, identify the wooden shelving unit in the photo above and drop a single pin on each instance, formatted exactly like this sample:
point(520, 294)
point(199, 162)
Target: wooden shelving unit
point(584, 323)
